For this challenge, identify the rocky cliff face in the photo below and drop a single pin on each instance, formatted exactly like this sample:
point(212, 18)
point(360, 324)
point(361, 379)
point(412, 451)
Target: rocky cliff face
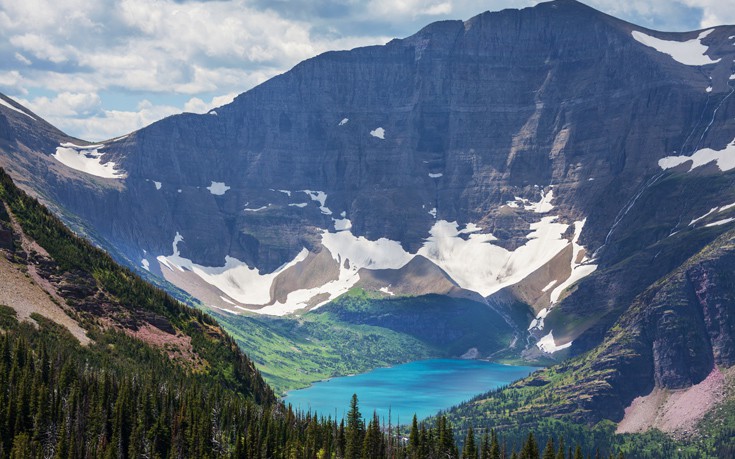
point(672, 336)
point(552, 156)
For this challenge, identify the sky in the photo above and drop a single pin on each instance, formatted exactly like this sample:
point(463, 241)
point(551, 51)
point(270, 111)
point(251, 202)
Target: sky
point(98, 69)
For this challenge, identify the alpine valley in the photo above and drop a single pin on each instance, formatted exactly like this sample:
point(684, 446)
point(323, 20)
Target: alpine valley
point(549, 186)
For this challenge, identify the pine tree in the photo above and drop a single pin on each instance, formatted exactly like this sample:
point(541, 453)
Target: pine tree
point(561, 453)
point(372, 447)
point(578, 453)
point(530, 448)
point(494, 445)
point(485, 448)
point(550, 450)
point(341, 440)
point(414, 440)
point(355, 430)
point(470, 449)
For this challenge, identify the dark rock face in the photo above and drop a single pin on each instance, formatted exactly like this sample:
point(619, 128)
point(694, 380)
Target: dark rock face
point(555, 94)
point(671, 336)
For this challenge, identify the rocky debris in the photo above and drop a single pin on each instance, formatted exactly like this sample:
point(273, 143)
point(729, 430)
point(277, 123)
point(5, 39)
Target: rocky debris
point(77, 285)
point(157, 321)
point(674, 411)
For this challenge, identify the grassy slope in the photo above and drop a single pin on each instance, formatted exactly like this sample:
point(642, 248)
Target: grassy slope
point(359, 332)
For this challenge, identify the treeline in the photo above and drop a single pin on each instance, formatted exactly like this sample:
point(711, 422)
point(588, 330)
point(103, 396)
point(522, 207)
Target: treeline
point(62, 400)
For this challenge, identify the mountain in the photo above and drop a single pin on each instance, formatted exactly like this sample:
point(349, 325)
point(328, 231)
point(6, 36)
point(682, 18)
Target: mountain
point(553, 164)
point(51, 274)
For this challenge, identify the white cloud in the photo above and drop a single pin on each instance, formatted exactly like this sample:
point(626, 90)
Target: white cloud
point(399, 9)
point(714, 12)
point(197, 105)
point(22, 59)
point(66, 104)
point(82, 113)
point(11, 79)
point(111, 123)
point(668, 14)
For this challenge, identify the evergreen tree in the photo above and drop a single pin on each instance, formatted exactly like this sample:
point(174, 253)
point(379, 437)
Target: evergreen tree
point(470, 449)
point(354, 431)
point(549, 450)
point(414, 439)
point(561, 453)
point(372, 447)
point(485, 448)
point(495, 446)
point(530, 448)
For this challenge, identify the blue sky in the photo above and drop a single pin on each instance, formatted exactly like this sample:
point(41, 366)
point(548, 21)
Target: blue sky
point(98, 69)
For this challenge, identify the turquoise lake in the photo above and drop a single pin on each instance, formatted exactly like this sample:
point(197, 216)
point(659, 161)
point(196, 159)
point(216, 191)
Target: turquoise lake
point(423, 387)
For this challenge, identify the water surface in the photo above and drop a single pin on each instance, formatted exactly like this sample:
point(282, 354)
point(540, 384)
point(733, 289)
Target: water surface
point(423, 387)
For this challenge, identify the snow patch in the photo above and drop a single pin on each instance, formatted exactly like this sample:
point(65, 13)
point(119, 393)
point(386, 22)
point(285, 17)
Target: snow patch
point(300, 204)
point(711, 211)
point(321, 198)
point(547, 344)
point(436, 175)
point(344, 121)
point(379, 133)
point(258, 209)
point(690, 52)
point(720, 222)
point(229, 311)
point(476, 264)
point(725, 159)
point(580, 269)
point(538, 322)
point(387, 291)
point(235, 279)
point(432, 212)
point(342, 224)
point(218, 188)
point(364, 253)
point(543, 206)
point(470, 228)
point(157, 184)
point(87, 159)
point(549, 285)
point(6, 104)
point(352, 254)
point(145, 264)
